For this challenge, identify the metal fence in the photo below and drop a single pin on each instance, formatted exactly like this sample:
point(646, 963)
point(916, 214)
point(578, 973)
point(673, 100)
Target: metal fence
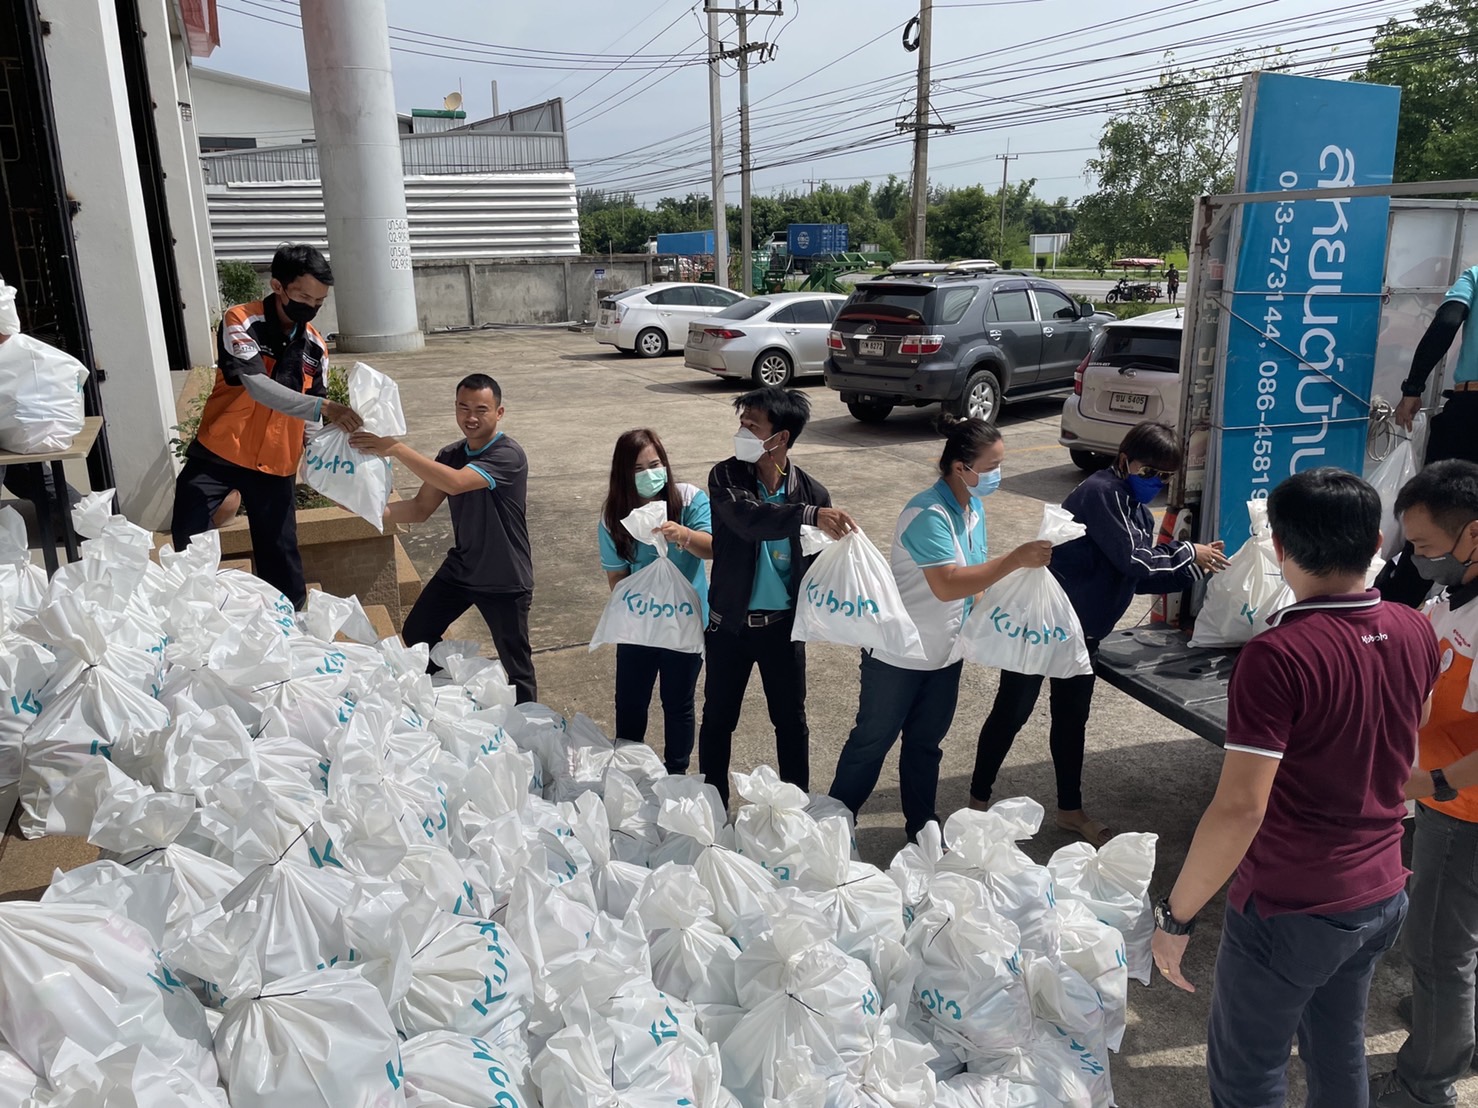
point(470, 215)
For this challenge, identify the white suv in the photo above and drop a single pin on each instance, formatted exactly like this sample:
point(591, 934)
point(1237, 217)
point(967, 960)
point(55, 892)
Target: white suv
point(1131, 373)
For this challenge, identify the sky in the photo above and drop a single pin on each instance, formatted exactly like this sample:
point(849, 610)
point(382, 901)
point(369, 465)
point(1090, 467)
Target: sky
point(1035, 78)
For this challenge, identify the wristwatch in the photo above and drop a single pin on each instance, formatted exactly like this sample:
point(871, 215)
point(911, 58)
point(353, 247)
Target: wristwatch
point(1167, 923)
point(1442, 792)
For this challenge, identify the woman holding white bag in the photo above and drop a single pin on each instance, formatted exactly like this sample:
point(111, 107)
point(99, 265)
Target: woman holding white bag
point(1100, 572)
point(641, 474)
point(939, 562)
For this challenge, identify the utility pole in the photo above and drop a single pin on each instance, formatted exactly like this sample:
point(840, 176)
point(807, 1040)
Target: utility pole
point(716, 148)
point(1005, 159)
point(921, 126)
point(746, 245)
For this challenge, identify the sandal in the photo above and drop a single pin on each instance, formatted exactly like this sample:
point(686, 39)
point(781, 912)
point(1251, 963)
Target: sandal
point(1090, 830)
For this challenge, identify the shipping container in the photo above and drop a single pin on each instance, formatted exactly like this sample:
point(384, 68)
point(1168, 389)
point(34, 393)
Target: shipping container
point(806, 240)
point(685, 242)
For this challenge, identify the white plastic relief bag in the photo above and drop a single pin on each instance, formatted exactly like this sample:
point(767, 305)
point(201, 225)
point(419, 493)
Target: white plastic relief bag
point(446, 1070)
point(1241, 597)
point(377, 400)
point(1025, 623)
point(346, 475)
point(43, 389)
point(466, 976)
point(321, 1039)
point(10, 318)
point(1388, 478)
point(849, 597)
point(656, 606)
point(1113, 883)
point(22, 583)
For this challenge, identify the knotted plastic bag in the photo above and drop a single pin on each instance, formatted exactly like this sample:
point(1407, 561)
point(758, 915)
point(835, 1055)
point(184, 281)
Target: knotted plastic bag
point(849, 596)
point(43, 390)
point(358, 480)
point(656, 605)
point(1241, 597)
point(1024, 623)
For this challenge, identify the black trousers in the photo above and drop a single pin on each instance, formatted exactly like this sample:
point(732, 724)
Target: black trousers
point(638, 669)
point(1072, 698)
point(732, 655)
point(1453, 434)
point(271, 515)
point(507, 615)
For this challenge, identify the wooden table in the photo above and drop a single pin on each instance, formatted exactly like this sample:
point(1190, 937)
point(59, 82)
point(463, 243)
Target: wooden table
point(79, 450)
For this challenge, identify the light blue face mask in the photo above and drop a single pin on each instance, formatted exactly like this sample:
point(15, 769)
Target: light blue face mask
point(649, 482)
point(985, 483)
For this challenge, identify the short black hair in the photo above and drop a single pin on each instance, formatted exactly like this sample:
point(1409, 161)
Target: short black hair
point(479, 381)
point(1447, 490)
point(964, 439)
point(786, 409)
point(1327, 519)
point(1153, 444)
point(294, 259)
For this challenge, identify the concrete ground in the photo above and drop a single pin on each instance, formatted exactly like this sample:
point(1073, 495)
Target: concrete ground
point(568, 398)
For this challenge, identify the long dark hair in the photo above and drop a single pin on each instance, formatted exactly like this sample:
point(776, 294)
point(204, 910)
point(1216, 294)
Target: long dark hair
point(621, 496)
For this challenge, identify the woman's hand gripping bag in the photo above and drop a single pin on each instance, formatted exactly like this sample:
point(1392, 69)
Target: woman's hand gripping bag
point(656, 605)
point(1025, 623)
point(849, 597)
point(1240, 599)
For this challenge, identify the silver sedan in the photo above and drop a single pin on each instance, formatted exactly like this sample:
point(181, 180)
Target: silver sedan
point(770, 339)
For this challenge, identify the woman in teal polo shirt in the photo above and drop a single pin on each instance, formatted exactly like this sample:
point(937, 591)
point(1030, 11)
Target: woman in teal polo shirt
point(641, 474)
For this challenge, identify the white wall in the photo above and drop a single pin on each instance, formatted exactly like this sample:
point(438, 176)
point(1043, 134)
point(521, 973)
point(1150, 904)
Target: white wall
point(180, 161)
point(100, 166)
point(236, 110)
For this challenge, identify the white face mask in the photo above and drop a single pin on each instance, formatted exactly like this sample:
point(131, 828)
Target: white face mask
point(749, 447)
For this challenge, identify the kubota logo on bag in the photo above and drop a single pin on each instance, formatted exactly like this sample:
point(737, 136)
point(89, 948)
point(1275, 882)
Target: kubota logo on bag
point(1001, 620)
point(639, 604)
point(858, 607)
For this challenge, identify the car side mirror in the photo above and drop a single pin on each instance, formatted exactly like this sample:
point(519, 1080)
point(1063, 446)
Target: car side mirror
point(1085, 309)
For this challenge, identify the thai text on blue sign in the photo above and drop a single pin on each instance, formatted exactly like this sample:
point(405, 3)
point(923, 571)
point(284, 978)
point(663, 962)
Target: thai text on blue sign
point(1305, 310)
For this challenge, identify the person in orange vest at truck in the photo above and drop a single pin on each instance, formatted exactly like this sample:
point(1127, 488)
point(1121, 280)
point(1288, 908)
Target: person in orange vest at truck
point(272, 370)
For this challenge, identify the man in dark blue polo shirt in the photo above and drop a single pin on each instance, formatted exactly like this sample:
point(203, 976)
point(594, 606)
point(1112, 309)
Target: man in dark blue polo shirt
point(1322, 716)
point(484, 476)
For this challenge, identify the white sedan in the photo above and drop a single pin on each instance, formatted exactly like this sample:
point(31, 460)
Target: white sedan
point(771, 339)
point(653, 319)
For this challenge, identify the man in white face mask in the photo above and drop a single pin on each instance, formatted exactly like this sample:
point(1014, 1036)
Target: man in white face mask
point(760, 501)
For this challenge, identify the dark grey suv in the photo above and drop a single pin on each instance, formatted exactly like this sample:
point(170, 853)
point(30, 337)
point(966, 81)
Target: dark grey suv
point(968, 340)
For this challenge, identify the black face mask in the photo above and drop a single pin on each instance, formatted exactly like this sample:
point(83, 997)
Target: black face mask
point(297, 311)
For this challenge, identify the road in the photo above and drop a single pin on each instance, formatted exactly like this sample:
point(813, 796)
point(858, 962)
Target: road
point(568, 398)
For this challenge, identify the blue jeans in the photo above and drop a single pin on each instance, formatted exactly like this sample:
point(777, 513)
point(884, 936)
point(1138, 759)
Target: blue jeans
point(920, 703)
point(1295, 975)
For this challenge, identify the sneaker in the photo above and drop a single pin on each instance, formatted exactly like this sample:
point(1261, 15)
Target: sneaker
point(1386, 1091)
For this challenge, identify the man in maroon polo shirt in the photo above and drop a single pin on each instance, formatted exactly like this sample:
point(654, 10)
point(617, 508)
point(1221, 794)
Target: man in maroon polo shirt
point(1322, 717)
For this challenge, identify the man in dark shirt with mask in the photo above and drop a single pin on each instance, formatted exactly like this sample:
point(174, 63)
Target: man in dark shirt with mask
point(272, 368)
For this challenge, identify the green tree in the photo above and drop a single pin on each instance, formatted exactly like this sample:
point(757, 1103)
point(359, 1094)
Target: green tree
point(1433, 56)
point(1177, 141)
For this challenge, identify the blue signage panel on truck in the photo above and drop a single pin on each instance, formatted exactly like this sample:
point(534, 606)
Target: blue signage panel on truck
point(685, 242)
point(806, 240)
point(1305, 313)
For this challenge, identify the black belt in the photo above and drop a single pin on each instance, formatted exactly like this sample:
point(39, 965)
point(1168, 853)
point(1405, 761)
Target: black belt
point(757, 619)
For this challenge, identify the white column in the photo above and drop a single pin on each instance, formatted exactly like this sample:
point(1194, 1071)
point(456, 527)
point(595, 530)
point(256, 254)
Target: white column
point(95, 133)
point(179, 158)
point(347, 43)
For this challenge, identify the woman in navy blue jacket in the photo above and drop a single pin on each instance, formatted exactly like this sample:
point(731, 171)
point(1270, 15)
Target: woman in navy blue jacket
point(1101, 573)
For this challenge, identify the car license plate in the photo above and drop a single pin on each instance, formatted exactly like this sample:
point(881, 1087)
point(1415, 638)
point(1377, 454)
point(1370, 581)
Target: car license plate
point(696, 338)
point(870, 348)
point(605, 319)
point(1127, 402)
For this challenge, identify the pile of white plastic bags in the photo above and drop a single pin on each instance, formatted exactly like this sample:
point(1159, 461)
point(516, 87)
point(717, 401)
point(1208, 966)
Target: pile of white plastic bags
point(328, 880)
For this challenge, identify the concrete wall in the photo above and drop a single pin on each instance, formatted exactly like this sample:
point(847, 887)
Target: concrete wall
point(100, 164)
point(515, 290)
point(226, 105)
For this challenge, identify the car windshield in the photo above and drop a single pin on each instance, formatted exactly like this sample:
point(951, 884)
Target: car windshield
point(1150, 348)
point(745, 309)
point(906, 303)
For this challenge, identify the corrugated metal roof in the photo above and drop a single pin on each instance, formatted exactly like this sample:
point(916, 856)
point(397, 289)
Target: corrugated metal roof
point(448, 153)
point(463, 216)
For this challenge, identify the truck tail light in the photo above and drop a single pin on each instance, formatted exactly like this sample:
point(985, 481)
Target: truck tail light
point(723, 333)
point(834, 341)
point(1078, 375)
point(920, 344)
